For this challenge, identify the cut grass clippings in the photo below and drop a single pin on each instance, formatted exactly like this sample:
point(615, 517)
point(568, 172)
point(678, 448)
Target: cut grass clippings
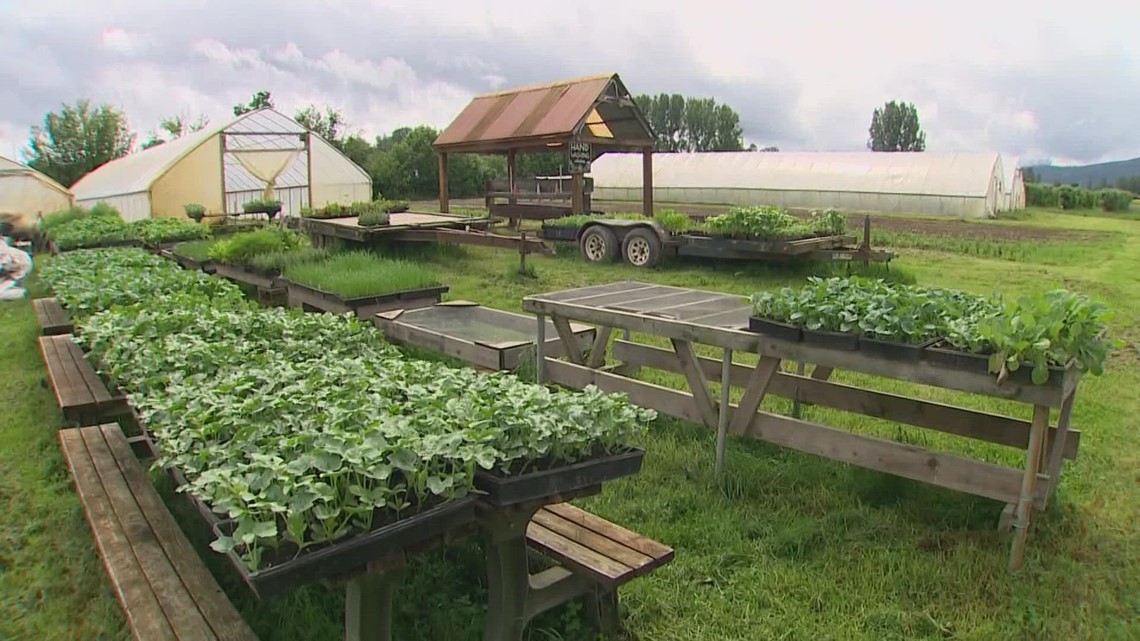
point(360, 274)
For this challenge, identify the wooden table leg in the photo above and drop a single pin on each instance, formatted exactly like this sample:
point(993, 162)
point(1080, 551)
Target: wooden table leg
point(691, 367)
point(540, 350)
point(514, 595)
point(597, 356)
point(723, 411)
point(368, 606)
point(754, 392)
point(1057, 449)
point(1024, 514)
point(570, 345)
point(796, 402)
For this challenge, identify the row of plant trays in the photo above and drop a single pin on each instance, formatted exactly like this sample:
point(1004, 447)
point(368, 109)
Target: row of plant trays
point(364, 307)
point(935, 351)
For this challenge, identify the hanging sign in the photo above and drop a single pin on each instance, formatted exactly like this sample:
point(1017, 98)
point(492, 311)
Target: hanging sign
point(580, 157)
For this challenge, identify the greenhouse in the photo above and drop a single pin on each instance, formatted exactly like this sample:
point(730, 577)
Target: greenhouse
point(260, 155)
point(1013, 184)
point(951, 184)
point(26, 193)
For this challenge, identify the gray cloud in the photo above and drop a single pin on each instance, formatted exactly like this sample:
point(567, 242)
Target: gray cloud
point(389, 66)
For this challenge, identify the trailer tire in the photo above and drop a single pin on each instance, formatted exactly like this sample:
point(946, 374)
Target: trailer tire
point(641, 248)
point(599, 244)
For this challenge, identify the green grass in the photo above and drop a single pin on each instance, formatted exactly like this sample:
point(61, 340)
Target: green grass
point(788, 546)
point(198, 250)
point(1062, 251)
point(358, 274)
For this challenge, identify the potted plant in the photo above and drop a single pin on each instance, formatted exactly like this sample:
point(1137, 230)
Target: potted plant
point(195, 212)
point(268, 207)
point(771, 314)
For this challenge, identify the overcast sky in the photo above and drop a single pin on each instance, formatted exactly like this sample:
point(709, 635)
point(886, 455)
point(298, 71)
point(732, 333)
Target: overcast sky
point(1045, 79)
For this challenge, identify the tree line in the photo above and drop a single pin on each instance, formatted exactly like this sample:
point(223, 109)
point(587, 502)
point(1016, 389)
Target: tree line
point(403, 164)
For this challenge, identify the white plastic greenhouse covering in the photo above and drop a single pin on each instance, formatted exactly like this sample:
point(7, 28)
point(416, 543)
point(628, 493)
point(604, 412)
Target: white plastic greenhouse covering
point(1013, 183)
point(26, 193)
point(216, 168)
point(955, 184)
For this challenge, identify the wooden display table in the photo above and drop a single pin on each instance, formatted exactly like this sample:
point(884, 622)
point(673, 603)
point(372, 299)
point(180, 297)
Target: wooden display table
point(688, 317)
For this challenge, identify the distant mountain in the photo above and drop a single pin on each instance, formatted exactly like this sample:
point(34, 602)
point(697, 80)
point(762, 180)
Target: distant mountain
point(1089, 175)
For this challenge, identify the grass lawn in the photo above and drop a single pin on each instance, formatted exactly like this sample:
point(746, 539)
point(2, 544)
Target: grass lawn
point(789, 546)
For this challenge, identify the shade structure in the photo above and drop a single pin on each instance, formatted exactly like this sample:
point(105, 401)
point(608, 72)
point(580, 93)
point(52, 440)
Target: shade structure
point(26, 194)
point(212, 168)
point(952, 184)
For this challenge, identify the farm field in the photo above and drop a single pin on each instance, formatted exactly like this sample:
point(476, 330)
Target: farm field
point(789, 546)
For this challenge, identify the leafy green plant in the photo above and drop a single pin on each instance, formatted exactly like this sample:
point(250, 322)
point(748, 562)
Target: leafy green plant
point(240, 249)
point(675, 222)
point(830, 222)
point(372, 219)
point(90, 231)
point(757, 223)
point(155, 231)
point(1115, 199)
point(104, 210)
point(359, 274)
point(57, 218)
point(195, 212)
point(271, 207)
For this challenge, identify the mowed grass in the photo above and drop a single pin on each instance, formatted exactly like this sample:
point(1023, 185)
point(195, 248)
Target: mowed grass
point(788, 546)
point(357, 274)
point(198, 250)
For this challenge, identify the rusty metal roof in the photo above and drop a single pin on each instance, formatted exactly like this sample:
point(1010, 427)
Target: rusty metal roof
point(534, 115)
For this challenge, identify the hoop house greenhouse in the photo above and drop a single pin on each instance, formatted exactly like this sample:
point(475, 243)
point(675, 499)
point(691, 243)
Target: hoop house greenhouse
point(26, 193)
point(958, 184)
point(261, 154)
point(1013, 183)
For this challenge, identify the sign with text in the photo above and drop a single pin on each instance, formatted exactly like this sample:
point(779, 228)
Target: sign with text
point(580, 157)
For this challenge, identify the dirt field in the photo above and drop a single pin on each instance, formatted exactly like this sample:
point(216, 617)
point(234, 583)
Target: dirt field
point(925, 227)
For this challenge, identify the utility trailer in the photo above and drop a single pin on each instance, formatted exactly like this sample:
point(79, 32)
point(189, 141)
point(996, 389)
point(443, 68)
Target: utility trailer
point(643, 243)
point(421, 227)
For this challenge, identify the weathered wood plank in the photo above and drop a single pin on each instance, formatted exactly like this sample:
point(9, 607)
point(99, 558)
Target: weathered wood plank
point(177, 606)
point(1059, 440)
point(576, 556)
point(687, 358)
point(754, 391)
point(946, 470)
point(143, 612)
point(598, 349)
point(570, 345)
point(992, 428)
point(1028, 486)
point(212, 602)
point(628, 538)
point(52, 318)
point(592, 540)
point(71, 393)
point(90, 377)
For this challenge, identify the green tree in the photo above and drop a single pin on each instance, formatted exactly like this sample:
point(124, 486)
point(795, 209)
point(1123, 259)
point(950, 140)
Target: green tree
point(1028, 175)
point(77, 140)
point(328, 123)
point(172, 128)
point(260, 100)
point(691, 124)
point(895, 127)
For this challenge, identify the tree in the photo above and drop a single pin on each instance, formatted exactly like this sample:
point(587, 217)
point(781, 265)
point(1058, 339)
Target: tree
point(260, 100)
point(1028, 175)
point(895, 127)
point(174, 127)
point(691, 124)
point(328, 124)
point(78, 140)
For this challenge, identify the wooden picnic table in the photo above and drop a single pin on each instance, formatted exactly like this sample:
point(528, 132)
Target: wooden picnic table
point(690, 317)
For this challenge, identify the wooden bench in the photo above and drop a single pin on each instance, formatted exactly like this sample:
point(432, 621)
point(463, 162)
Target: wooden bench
point(52, 317)
point(162, 585)
point(608, 554)
point(81, 394)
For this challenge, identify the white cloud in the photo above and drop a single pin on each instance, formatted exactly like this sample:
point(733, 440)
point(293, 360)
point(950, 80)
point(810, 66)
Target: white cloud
point(121, 41)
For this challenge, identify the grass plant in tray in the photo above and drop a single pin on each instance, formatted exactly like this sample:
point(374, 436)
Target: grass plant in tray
point(265, 251)
point(361, 274)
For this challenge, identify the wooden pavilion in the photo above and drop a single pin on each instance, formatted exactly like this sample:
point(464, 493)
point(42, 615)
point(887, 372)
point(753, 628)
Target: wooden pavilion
point(581, 118)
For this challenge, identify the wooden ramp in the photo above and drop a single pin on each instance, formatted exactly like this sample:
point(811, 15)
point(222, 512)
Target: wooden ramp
point(80, 393)
point(52, 317)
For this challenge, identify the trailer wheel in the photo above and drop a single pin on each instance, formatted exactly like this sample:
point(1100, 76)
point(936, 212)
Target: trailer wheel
point(599, 244)
point(641, 248)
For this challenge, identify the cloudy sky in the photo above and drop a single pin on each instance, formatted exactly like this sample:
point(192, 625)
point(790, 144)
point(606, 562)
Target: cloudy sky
point(1045, 79)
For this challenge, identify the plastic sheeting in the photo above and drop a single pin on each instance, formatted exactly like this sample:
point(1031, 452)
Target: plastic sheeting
point(26, 194)
point(266, 165)
point(15, 265)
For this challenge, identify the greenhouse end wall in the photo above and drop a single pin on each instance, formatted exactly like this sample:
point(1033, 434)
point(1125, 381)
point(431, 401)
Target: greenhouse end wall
point(196, 178)
point(957, 206)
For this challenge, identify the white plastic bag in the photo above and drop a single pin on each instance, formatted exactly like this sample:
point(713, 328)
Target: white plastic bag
point(15, 265)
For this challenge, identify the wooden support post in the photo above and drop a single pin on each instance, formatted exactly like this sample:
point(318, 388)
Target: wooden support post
point(598, 350)
point(444, 198)
point(696, 378)
point(754, 392)
point(647, 181)
point(522, 253)
point(723, 411)
point(570, 344)
point(796, 402)
point(368, 606)
point(513, 223)
point(576, 194)
point(1024, 513)
point(540, 349)
point(1057, 447)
